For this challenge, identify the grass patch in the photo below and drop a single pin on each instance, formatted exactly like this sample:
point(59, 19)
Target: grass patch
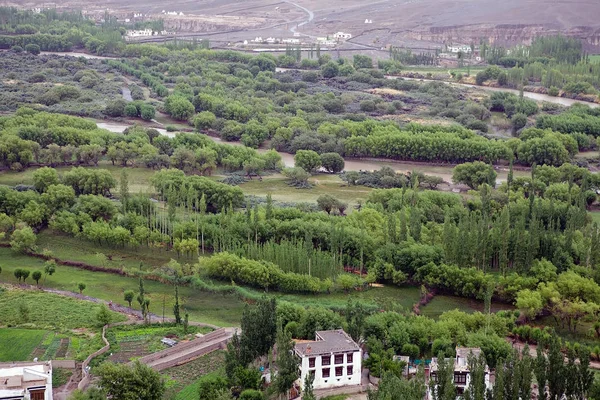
point(139, 178)
point(60, 377)
point(48, 310)
point(595, 216)
point(67, 247)
point(223, 310)
point(322, 184)
point(441, 304)
point(386, 297)
point(18, 344)
point(184, 378)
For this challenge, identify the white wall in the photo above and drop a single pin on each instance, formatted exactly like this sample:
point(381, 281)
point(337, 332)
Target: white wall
point(332, 381)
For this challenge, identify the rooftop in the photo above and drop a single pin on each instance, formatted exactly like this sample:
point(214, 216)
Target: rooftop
point(327, 342)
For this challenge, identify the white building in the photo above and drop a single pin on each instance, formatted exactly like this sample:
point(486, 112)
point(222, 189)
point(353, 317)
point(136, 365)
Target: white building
point(140, 33)
point(462, 375)
point(368, 21)
point(342, 36)
point(333, 358)
point(460, 48)
point(26, 381)
point(291, 41)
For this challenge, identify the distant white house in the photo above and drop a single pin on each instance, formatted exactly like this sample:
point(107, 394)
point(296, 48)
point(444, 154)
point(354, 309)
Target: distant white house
point(139, 33)
point(460, 48)
point(333, 358)
point(26, 381)
point(368, 21)
point(342, 36)
point(462, 374)
point(271, 40)
point(290, 41)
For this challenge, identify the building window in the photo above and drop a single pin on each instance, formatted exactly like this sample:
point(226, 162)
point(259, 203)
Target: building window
point(349, 370)
point(460, 379)
point(325, 372)
point(311, 362)
point(38, 394)
point(349, 358)
point(339, 371)
point(339, 358)
point(325, 360)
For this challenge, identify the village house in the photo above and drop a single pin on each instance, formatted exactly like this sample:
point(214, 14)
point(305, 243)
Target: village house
point(460, 48)
point(342, 36)
point(462, 375)
point(26, 381)
point(139, 33)
point(333, 358)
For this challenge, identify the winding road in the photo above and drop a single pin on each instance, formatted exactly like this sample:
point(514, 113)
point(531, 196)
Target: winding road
point(311, 16)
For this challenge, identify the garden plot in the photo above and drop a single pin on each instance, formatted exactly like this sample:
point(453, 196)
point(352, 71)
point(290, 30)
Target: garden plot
point(129, 342)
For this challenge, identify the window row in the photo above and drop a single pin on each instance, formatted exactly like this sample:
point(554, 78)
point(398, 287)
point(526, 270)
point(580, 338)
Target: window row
point(339, 371)
point(326, 360)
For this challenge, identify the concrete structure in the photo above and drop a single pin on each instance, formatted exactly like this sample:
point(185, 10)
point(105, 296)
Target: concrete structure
point(342, 36)
point(333, 358)
point(462, 375)
point(26, 381)
point(460, 48)
point(290, 41)
point(140, 33)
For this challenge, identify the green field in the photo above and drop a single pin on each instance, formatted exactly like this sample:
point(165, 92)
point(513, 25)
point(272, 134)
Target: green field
point(183, 380)
point(47, 310)
point(595, 216)
point(595, 58)
point(65, 247)
point(224, 310)
point(18, 344)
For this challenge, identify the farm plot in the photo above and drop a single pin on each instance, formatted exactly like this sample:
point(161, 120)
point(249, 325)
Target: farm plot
point(129, 342)
point(20, 344)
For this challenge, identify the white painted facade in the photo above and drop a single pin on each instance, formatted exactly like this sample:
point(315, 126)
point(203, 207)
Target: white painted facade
point(333, 358)
point(140, 33)
point(26, 381)
point(342, 36)
point(460, 48)
point(462, 375)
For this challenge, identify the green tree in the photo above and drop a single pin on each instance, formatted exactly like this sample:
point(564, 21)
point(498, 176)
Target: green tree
point(529, 302)
point(307, 391)
point(128, 296)
point(361, 61)
point(23, 239)
point(179, 107)
point(176, 311)
point(36, 276)
point(287, 363)
point(473, 174)
point(25, 274)
point(332, 162)
point(103, 315)
point(259, 327)
point(442, 387)
point(81, 286)
point(44, 177)
point(210, 386)
point(308, 160)
point(32, 48)
point(49, 268)
point(124, 382)
point(330, 70)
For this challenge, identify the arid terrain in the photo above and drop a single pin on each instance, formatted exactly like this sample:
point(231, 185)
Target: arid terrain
point(414, 23)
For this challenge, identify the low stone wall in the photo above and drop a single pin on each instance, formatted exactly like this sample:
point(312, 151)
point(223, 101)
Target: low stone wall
point(85, 381)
